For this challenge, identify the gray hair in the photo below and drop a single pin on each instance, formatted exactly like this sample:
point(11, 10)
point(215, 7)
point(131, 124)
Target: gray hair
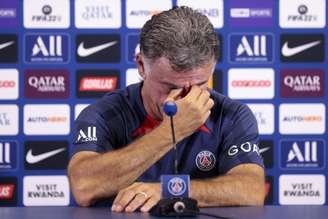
point(182, 35)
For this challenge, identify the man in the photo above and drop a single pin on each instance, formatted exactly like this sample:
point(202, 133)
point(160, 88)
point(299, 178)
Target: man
point(123, 142)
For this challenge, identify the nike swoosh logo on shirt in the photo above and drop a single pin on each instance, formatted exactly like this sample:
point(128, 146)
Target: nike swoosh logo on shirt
point(84, 52)
point(4, 45)
point(262, 150)
point(31, 159)
point(287, 51)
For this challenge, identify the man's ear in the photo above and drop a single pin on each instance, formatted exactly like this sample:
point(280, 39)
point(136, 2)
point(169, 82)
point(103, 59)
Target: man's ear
point(141, 65)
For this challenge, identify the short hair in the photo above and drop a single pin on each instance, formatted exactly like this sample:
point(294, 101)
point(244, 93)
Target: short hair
point(182, 35)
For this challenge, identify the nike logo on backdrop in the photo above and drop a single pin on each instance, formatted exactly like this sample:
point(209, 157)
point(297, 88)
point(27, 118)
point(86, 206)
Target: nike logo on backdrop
point(262, 150)
point(84, 52)
point(4, 45)
point(31, 159)
point(287, 51)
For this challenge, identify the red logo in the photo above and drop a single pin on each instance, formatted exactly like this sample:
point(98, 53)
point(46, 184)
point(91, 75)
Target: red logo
point(98, 84)
point(251, 83)
point(7, 84)
point(6, 191)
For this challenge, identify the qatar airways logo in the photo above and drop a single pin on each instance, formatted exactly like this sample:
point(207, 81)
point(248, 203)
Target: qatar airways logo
point(302, 83)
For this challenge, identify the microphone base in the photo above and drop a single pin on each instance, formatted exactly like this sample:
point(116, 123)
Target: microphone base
point(172, 207)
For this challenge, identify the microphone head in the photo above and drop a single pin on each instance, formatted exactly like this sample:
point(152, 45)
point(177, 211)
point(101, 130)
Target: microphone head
point(170, 108)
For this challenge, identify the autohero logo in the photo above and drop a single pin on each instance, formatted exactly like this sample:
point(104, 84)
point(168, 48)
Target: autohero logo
point(302, 47)
point(251, 83)
point(246, 147)
point(302, 189)
point(88, 134)
point(46, 48)
point(302, 118)
point(8, 119)
point(8, 84)
point(138, 12)
point(46, 119)
point(8, 48)
point(46, 155)
point(8, 191)
point(98, 48)
point(251, 48)
point(46, 83)
point(45, 191)
point(302, 14)
point(302, 154)
point(8, 13)
point(95, 83)
point(8, 155)
point(46, 14)
point(98, 14)
point(302, 83)
point(213, 9)
point(254, 13)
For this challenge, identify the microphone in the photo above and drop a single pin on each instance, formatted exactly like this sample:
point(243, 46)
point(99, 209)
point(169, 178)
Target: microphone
point(177, 202)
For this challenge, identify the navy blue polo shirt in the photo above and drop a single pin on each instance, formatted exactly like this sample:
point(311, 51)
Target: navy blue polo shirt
point(228, 138)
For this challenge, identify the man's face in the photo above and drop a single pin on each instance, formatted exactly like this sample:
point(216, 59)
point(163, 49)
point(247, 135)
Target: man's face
point(160, 79)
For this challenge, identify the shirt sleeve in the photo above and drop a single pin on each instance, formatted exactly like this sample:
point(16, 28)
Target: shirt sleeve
point(90, 132)
point(240, 143)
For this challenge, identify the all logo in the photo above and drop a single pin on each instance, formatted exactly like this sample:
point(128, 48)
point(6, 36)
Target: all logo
point(96, 83)
point(266, 151)
point(8, 84)
point(46, 155)
point(302, 118)
point(302, 189)
point(302, 14)
point(46, 191)
point(253, 13)
point(213, 9)
point(87, 134)
point(8, 155)
point(98, 48)
point(302, 154)
point(8, 13)
point(251, 48)
point(302, 83)
point(98, 14)
point(302, 47)
point(8, 191)
point(47, 48)
point(205, 160)
point(46, 83)
point(8, 48)
point(46, 14)
point(176, 186)
point(8, 119)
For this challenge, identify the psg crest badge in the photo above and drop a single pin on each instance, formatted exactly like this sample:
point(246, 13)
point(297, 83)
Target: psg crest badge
point(176, 186)
point(205, 160)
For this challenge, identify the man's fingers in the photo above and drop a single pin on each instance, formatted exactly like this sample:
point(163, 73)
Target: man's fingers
point(204, 97)
point(174, 95)
point(138, 201)
point(194, 92)
point(149, 204)
point(121, 202)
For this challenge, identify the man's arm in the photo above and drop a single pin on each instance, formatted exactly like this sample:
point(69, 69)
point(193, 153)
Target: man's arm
point(241, 186)
point(94, 176)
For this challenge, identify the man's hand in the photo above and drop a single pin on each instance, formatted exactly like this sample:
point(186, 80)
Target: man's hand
point(193, 110)
point(137, 195)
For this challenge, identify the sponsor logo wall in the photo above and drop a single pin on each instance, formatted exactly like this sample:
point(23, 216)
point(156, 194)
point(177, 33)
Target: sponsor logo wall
point(59, 56)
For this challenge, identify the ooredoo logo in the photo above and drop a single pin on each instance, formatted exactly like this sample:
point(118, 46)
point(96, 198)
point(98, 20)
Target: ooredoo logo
point(8, 84)
point(46, 83)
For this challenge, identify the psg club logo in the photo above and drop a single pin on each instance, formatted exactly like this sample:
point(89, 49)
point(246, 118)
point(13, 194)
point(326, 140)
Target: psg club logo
point(205, 160)
point(176, 186)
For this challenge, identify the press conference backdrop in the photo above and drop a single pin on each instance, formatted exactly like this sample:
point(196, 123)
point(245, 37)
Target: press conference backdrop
point(58, 56)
